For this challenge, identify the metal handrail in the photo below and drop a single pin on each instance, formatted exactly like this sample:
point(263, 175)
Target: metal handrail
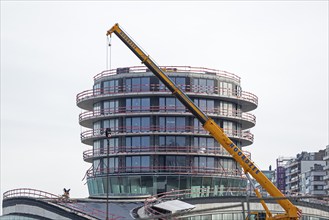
point(138, 109)
point(177, 69)
point(91, 173)
point(28, 192)
point(121, 130)
point(91, 153)
point(190, 89)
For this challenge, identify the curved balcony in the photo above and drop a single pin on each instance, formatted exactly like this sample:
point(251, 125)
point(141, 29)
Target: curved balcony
point(181, 170)
point(91, 154)
point(169, 69)
point(88, 136)
point(87, 118)
point(86, 99)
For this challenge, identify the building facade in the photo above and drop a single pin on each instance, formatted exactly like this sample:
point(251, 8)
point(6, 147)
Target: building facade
point(156, 145)
point(302, 164)
point(326, 169)
point(312, 181)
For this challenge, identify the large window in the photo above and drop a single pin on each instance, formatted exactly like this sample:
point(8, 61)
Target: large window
point(138, 124)
point(228, 109)
point(97, 128)
point(112, 143)
point(97, 108)
point(137, 144)
point(171, 104)
point(110, 107)
point(97, 89)
point(100, 165)
point(172, 124)
point(110, 86)
point(179, 81)
point(112, 164)
point(205, 164)
point(172, 143)
point(138, 164)
point(228, 165)
point(203, 85)
point(111, 123)
point(172, 163)
point(97, 150)
point(226, 88)
point(206, 105)
point(205, 145)
point(137, 104)
point(138, 84)
point(232, 128)
point(197, 126)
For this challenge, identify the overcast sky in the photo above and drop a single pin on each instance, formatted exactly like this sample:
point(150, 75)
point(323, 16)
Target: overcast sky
point(50, 52)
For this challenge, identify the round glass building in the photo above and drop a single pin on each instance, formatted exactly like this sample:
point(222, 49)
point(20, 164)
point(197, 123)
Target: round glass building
point(156, 145)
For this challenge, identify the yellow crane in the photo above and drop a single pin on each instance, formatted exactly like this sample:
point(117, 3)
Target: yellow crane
point(249, 167)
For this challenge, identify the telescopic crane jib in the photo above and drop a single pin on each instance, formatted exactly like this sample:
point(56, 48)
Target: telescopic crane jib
point(249, 167)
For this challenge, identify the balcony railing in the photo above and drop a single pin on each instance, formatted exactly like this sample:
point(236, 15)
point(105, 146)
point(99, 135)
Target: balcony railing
point(179, 109)
point(177, 69)
point(188, 170)
point(99, 133)
point(190, 89)
point(102, 152)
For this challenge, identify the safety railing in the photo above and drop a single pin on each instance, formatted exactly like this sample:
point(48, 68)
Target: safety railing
point(168, 109)
point(27, 192)
point(144, 130)
point(177, 69)
point(200, 150)
point(182, 170)
point(60, 200)
point(189, 89)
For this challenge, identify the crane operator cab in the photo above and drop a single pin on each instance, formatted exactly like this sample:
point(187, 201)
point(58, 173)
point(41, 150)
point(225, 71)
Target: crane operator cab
point(256, 216)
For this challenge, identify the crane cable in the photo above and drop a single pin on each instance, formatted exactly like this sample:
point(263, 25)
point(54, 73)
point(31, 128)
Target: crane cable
point(108, 56)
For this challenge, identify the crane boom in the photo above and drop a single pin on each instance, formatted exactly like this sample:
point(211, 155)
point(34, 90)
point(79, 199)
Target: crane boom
point(210, 125)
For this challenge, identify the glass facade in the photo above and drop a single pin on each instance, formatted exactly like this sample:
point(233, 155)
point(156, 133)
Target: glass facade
point(156, 144)
point(130, 184)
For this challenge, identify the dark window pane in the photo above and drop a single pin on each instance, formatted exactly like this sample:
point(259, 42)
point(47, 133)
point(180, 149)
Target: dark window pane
point(135, 123)
point(162, 104)
point(145, 143)
point(135, 160)
point(180, 124)
point(128, 125)
point(145, 124)
point(170, 161)
point(170, 141)
point(145, 163)
point(136, 84)
point(128, 164)
point(170, 124)
point(180, 141)
point(145, 84)
point(128, 105)
point(128, 85)
point(145, 104)
point(170, 104)
point(162, 141)
point(136, 104)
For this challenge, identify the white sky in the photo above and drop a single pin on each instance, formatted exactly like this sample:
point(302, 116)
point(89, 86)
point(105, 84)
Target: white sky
point(50, 52)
